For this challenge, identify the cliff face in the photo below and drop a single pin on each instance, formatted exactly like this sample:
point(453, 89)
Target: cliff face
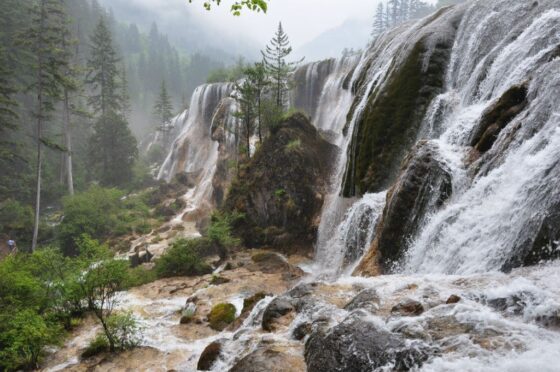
point(280, 191)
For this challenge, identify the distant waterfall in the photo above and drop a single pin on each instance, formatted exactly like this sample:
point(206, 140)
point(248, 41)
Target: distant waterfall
point(194, 151)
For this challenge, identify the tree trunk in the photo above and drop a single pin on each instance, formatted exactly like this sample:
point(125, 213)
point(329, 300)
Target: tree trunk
point(259, 116)
point(68, 142)
point(39, 133)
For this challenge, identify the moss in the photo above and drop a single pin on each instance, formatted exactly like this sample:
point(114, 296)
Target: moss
point(250, 302)
point(277, 190)
point(221, 316)
point(218, 280)
point(391, 120)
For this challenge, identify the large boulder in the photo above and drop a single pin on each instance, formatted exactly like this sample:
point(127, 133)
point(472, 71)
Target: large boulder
point(359, 345)
point(280, 191)
point(423, 186)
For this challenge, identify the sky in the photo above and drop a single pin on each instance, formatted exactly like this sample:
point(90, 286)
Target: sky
point(303, 20)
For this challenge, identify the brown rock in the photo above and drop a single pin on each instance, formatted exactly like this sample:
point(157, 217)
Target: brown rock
point(453, 299)
point(209, 356)
point(408, 308)
point(270, 360)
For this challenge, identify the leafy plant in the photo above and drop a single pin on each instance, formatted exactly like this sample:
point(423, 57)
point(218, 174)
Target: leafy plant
point(182, 259)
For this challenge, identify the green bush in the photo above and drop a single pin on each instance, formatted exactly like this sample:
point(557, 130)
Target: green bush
point(220, 229)
point(124, 330)
point(96, 346)
point(16, 219)
point(139, 276)
point(221, 316)
point(183, 259)
point(101, 213)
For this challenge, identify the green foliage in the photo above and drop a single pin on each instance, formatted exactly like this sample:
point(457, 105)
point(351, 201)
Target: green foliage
point(183, 259)
point(113, 150)
point(16, 219)
point(221, 316)
point(139, 276)
point(96, 346)
point(24, 338)
point(101, 213)
point(294, 145)
point(163, 108)
point(237, 6)
point(279, 70)
point(125, 330)
point(280, 193)
point(228, 74)
point(220, 229)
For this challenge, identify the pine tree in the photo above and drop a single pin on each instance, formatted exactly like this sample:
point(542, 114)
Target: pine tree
point(246, 98)
point(257, 77)
point(45, 39)
point(125, 96)
point(393, 9)
point(112, 147)
point(163, 111)
point(378, 21)
point(8, 115)
point(113, 150)
point(103, 73)
point(274, 58)
point(163, 108)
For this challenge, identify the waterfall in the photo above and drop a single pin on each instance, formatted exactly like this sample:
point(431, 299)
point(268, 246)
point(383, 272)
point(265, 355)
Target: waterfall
point(501, 200)
point(194, 151)
point(503, 207)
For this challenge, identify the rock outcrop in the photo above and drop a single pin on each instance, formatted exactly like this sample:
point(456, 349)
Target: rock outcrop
point(423, 186)
point(359, 345)
point(280, 191)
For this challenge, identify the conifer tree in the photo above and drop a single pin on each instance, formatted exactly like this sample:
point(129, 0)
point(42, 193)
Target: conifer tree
point(163, 111)
point(245, 98)
point(378, 21)
point(112, 147)
point(279, 70)
point(103, 73)
point(125, 96)
point(258, 78)
point(45, 38)
point(163, 108)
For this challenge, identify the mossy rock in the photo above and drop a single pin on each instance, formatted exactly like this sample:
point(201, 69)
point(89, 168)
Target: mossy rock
point(221, 316)
point(280, 190)
point(392, 118)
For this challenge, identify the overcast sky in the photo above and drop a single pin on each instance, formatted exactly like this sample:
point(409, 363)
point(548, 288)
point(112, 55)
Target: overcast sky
point(303, 20)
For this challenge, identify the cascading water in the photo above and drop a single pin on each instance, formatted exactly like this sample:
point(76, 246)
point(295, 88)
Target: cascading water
point(486, 224)
point(194, 151)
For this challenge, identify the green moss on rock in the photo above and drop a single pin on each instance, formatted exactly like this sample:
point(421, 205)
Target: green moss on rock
point(390, 123)
point(279, 192)
point(221, 316)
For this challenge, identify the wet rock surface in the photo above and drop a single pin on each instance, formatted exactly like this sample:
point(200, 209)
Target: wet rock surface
point(359, 345)
point(209, 355)
point(423, 185)
point(269, 360)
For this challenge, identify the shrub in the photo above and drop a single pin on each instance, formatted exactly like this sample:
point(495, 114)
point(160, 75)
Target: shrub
point(139, 276)
point(101, 213)
point(124, 330)
point(96, 346)
point(16, 220)
point(183, 259)
point(220, 230)
point(221, 316)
